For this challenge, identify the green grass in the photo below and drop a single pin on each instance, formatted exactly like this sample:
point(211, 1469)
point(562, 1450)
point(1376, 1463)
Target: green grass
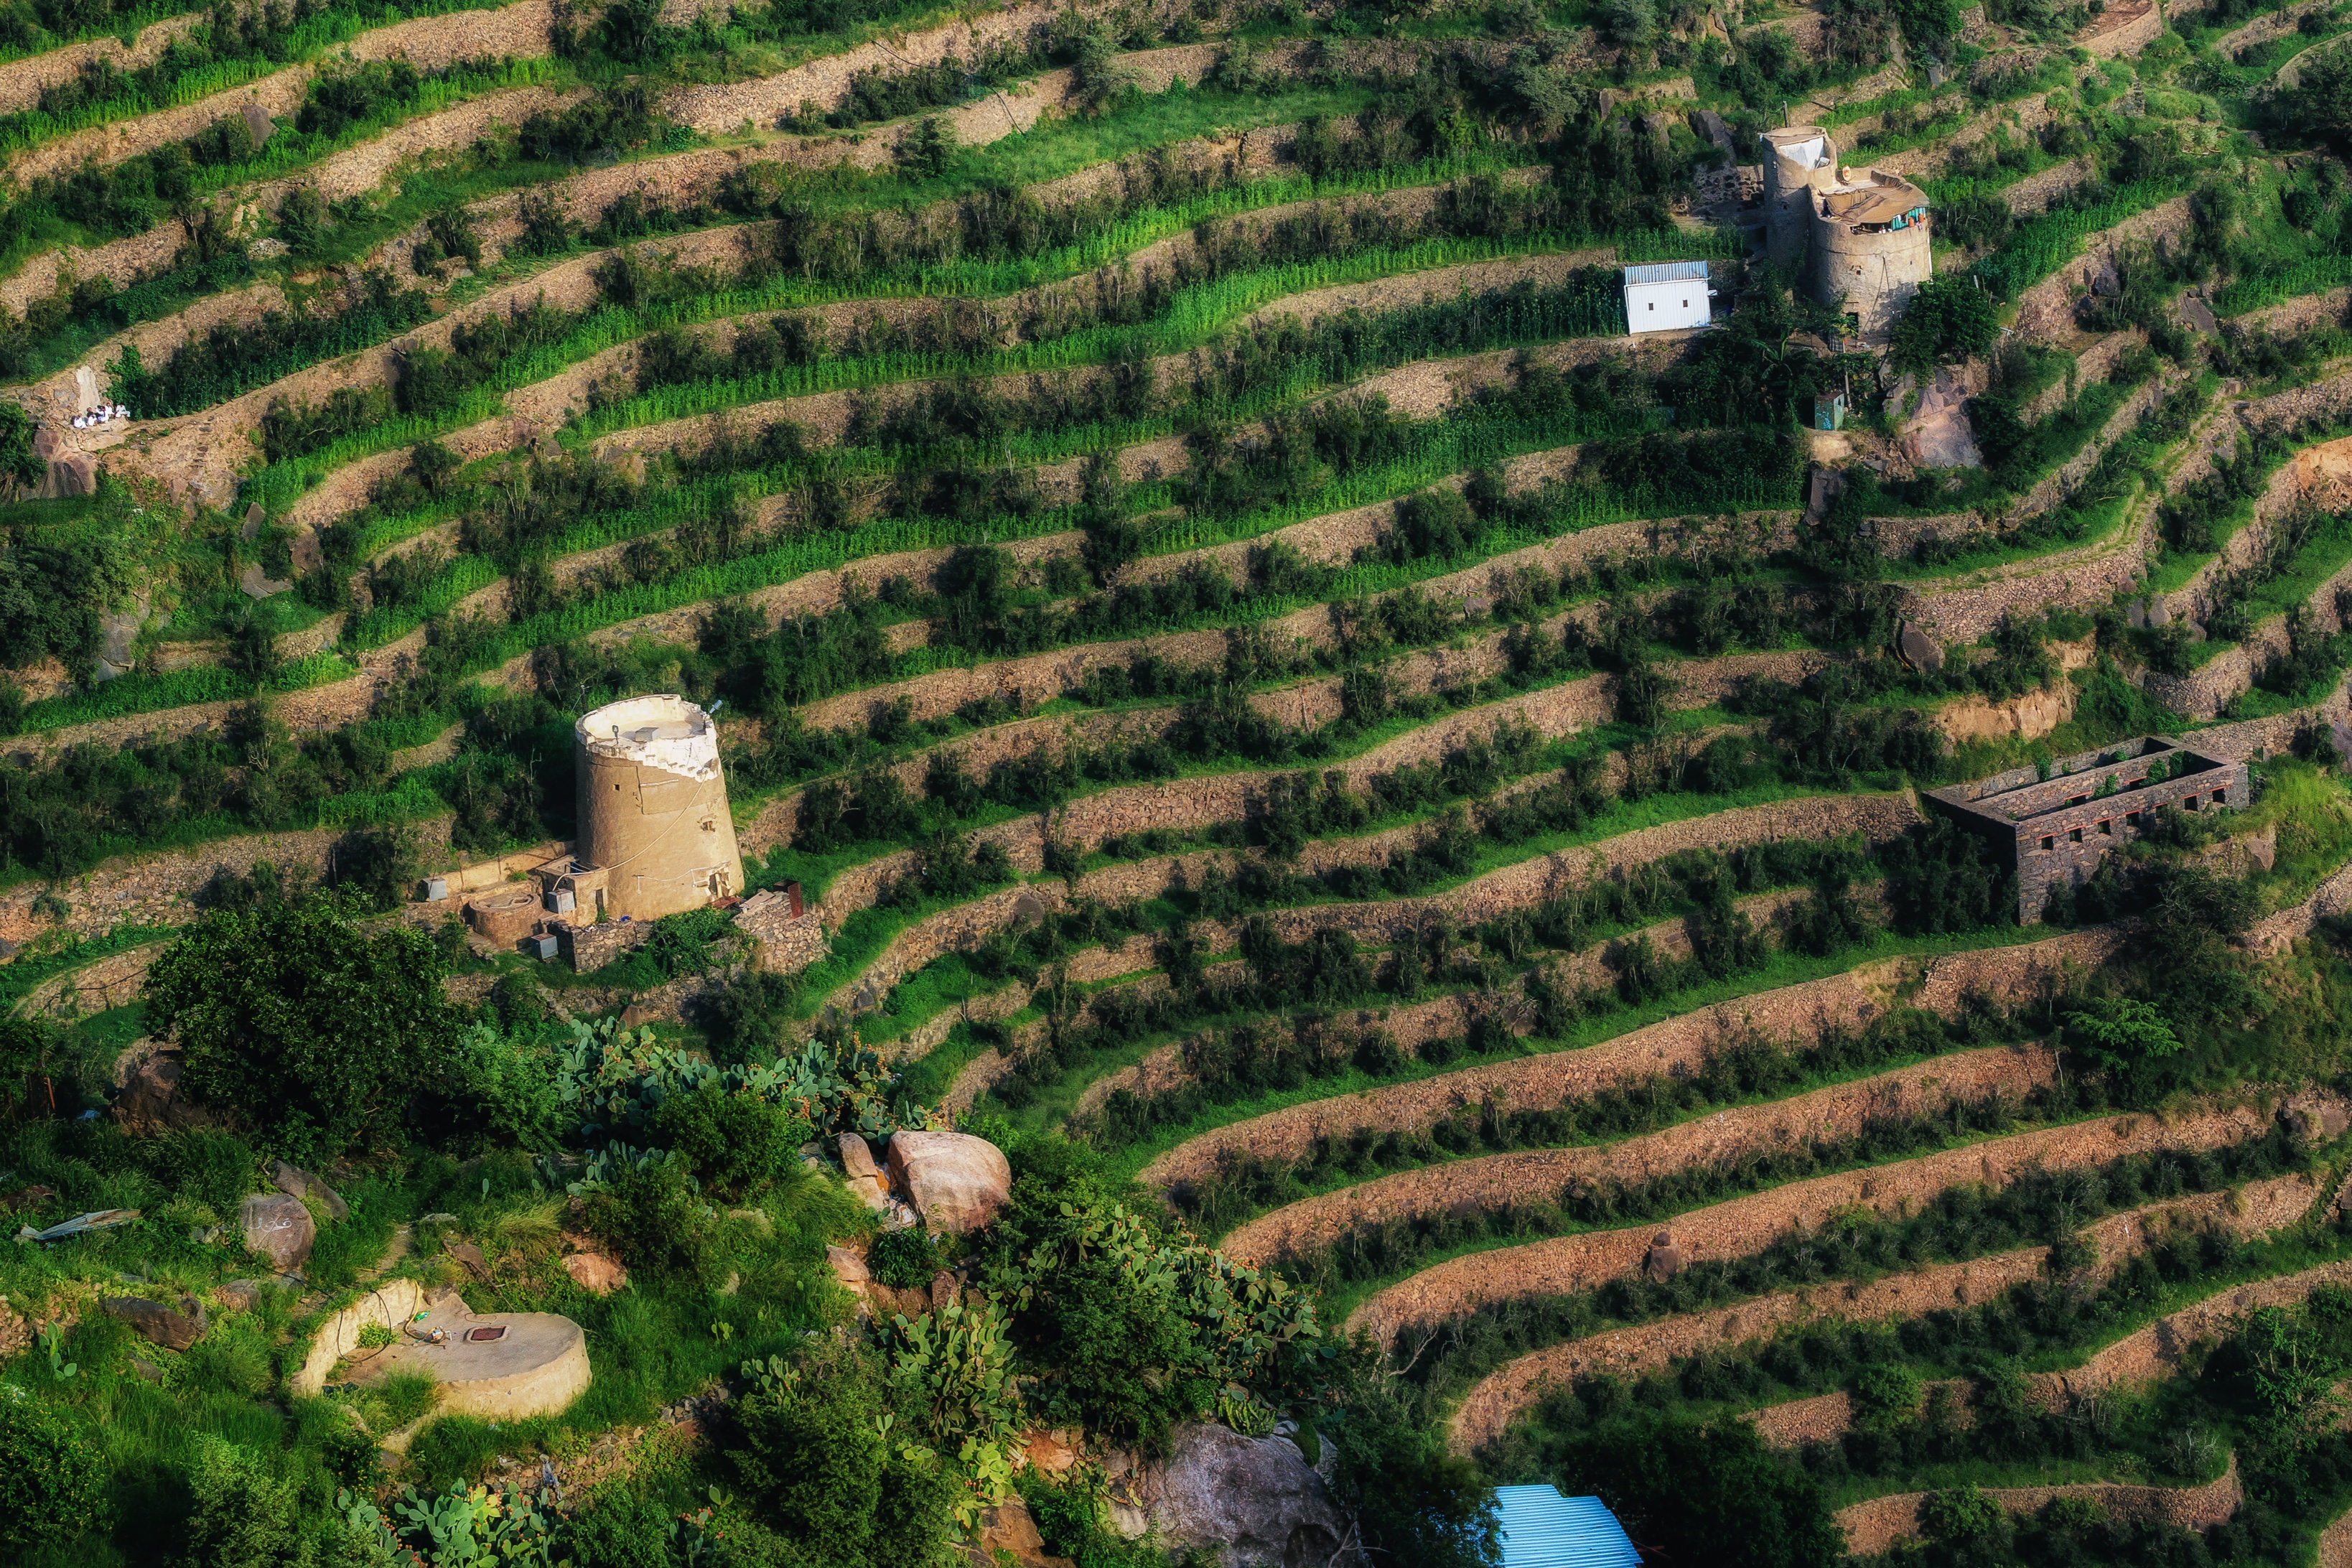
point(2310, 808)
point(133, 694)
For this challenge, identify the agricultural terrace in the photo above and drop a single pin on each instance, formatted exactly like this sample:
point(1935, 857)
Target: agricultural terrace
point(1391, 798)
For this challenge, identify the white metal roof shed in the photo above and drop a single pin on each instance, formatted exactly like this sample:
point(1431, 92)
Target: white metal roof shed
point(1542, 1528)
point(1665, 273)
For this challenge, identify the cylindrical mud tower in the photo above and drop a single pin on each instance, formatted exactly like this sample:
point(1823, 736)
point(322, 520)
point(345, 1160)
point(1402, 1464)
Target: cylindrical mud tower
point(1871, 246)
point(1795, 159)
point(653, 808)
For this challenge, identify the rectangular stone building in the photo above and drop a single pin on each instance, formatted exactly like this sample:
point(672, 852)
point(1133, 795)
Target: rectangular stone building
point(2057, 830)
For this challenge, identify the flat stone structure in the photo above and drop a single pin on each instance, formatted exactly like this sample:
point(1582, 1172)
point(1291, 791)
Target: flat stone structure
point(2055, 830)
point(502, 1366)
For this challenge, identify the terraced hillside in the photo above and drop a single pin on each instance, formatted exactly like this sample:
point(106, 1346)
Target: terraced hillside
point(1245, 677)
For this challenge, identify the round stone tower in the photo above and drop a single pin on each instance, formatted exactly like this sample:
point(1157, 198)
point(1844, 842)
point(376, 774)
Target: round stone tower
point(1795, 159)
point(1871, 245)
point(654, 833)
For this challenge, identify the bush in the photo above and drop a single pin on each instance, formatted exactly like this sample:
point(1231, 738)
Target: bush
point(903, 1259)
point(243, 1517)
point(815, 1466)
point(737, 1145)
point(2119, 1032)
point(1951, 318)
point(652, 1218)
point(1703, 1493)
point(621, 1530)
point(52, 1484)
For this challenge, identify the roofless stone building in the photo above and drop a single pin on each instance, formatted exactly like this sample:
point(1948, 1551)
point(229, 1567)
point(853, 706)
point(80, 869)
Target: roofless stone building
point(2057, 830)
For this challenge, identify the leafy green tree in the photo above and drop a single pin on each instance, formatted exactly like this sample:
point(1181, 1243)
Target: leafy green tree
point(928, 148)
point(827, 1468)
point(1949, 319)
point(19, 464)
point(2319, 108)
point(2120, 1032)
point(1413, 1500)
point(1961, 1513)
point(1704, 1492)
point(52, 1483)
point(311, 1026)
point(737, 1143)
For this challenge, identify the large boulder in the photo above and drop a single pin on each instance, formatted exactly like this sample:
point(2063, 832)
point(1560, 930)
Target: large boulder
point(278, 1228)
point(296, 1181)
point(956, 1181)
point(159, 1324)
point(1243, 1499)
point(595, 1273)
point(152, 1099)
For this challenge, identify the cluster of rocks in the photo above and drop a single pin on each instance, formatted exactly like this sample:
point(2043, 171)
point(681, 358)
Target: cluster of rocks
point(953, 1182)
point(274, 1225)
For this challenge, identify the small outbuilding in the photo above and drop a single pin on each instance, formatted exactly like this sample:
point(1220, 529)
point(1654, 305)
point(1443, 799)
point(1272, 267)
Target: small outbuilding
point(1667, 295)
point(1541, 1529)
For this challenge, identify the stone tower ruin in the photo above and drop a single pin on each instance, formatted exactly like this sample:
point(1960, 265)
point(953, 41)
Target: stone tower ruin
point(653, 834)
point(1856, 234)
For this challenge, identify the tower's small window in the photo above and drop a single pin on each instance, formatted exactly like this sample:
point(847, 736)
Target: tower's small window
point(2049, 843)
point(2076, 836)
point(1654, 305)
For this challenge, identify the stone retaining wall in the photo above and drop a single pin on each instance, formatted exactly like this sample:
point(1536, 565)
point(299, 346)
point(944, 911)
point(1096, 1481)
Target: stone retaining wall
point(1516, 1387)
point(1801, 1014)
point(1826, 1116)
point(1877, 1526)
point(1743, 1226)
point(2047, 309)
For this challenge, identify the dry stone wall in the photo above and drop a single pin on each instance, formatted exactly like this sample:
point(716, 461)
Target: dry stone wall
point(1801, 1014)
point(2046, 309)
point(1826, 1116)
point(1879, 1525)
point(1516, 1387)
point(1743, 1226)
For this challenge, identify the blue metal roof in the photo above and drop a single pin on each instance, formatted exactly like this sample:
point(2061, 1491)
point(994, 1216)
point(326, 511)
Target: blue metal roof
point(1666, 273)
point(1542, 1528)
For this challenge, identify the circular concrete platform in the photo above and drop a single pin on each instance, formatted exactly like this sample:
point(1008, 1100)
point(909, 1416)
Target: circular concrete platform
point(524, 1363)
